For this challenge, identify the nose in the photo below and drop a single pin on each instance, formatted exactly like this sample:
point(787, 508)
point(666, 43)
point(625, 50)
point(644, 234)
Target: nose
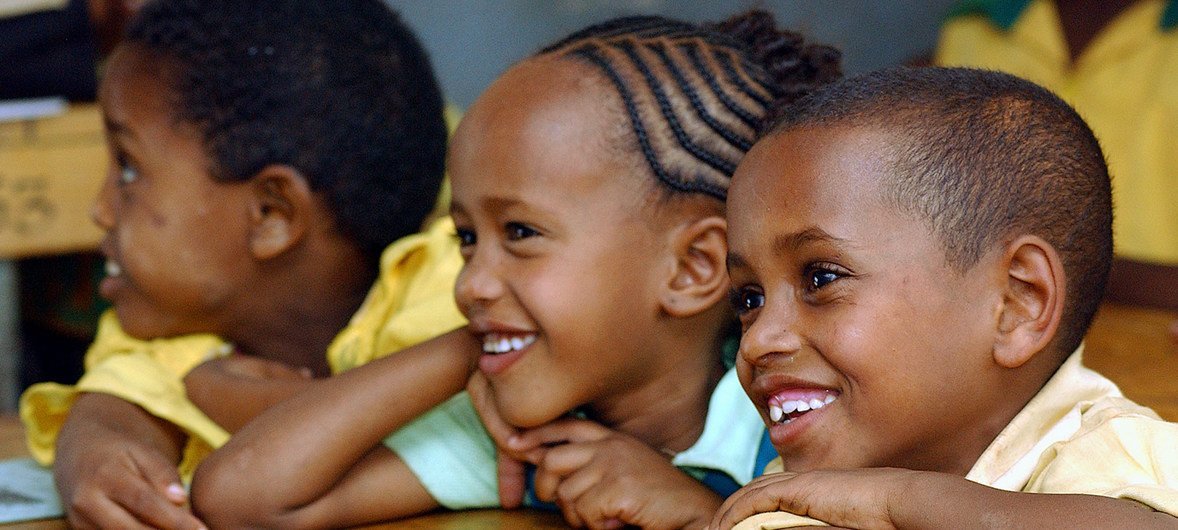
point(102, 212)
point(773, 335)
point(480, 281)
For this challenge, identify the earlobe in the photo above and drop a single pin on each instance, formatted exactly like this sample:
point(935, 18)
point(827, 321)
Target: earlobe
point(698, 278)
point(281, 202)
point(1032, 303)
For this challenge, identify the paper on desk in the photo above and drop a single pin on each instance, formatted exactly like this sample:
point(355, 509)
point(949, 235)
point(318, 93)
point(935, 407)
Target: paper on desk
point(26, 492)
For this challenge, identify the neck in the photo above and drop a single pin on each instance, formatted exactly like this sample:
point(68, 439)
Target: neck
point(668, 412)
point(1082, 20)
point(297, 327)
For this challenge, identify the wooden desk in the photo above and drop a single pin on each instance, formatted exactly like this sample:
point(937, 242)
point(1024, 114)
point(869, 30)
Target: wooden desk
point(1129, 345)
point(12, 444)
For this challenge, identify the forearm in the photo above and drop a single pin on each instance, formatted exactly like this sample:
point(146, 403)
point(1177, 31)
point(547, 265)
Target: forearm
point(100, 418)
point(295, 453)
point(944, 501)
point(236, 405)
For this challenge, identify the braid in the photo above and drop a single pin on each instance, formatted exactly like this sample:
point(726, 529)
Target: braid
point(696, 96)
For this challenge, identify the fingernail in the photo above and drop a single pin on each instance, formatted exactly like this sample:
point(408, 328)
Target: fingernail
point(514, 441)
point(176, 491)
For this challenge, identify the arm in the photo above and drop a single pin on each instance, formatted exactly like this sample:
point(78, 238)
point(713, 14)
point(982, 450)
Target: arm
point(233, 390)
point(897, 498)
point(314, 460)
point(116, 467)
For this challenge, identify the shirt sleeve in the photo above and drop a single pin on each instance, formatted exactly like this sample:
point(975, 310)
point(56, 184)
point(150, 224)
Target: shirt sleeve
point(146, 373)
point(450, 452)
point(1121, 451)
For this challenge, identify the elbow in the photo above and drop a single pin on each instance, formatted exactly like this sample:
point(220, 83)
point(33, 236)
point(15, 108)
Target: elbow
point(228, 494)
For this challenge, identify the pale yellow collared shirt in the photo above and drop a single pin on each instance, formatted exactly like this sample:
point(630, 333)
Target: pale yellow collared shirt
point(1077, 435)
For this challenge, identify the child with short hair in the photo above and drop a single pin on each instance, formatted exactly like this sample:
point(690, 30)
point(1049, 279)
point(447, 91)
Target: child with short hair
point(588, 185)
point(916, 255)
point(262, 160)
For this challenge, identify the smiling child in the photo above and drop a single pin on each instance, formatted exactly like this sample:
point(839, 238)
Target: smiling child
point(921, 251)
point(588, 185)
point(262, 160)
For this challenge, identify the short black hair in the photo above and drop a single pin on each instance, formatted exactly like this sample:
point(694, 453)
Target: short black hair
point(341, 91)
point(696, 95)
point(983, 157)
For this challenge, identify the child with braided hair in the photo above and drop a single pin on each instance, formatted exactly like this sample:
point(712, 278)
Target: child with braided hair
point(588, 185)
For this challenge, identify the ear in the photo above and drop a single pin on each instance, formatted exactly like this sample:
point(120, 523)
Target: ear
point(1033, 300)
point(698, 278)
point(281, 204)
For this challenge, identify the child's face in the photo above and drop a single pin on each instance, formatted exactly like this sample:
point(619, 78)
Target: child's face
point(560, 256)
point(175, 241)
point(850, 310)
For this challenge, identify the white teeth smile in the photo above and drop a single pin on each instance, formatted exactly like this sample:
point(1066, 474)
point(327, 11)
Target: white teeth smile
point(497, 343)
point(113, 269)
point(780, 413)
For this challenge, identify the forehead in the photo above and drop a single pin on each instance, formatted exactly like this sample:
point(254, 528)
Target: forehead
point(133, 85)
point(544, 124)
point(811, 168)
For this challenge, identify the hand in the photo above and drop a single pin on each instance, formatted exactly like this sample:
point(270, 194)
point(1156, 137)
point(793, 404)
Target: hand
point(857, 498)
point(512, 474)
point(119, 473)
point(233, 390)
point(601, 478)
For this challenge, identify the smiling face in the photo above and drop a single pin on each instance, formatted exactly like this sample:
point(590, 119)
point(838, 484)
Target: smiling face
point(176, 240)
point(861, 346)
point(562, 253)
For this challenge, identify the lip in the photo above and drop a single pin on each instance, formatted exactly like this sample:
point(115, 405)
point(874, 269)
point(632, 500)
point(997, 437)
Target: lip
point(493, 364)
point(110, 286)
point(785, 436)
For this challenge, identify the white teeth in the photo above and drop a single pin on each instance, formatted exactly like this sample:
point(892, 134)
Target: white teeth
point(113, 269)
point(495, 343)
point(780, 413)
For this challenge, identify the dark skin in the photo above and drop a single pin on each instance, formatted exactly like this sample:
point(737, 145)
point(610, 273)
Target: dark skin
point(1130, 282)
point(253, 262)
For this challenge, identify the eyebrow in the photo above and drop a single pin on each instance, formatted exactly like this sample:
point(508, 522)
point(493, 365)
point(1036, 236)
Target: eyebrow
point(796, 240)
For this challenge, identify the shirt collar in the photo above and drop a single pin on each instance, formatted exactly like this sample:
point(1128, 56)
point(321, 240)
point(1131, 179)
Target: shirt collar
point(1053, 415)
point(1004, 13)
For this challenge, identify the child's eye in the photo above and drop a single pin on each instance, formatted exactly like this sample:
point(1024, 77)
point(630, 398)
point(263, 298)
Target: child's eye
point(820, 275)
point(465, 237)
point(746, 299)
point(518, 231)
point(128, 173)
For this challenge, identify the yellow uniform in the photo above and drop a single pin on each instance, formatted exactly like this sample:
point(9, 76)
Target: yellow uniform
point(1123, 84)
point(1077, 435)
point(412, 301)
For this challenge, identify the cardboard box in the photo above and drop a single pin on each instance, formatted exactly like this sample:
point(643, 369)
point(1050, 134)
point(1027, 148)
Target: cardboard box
point(51, 170)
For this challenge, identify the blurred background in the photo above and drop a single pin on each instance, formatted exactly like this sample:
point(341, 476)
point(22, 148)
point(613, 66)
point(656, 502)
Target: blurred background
point(472, 41)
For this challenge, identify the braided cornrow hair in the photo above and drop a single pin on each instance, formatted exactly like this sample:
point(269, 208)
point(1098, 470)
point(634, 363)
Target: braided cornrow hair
point(697, 96)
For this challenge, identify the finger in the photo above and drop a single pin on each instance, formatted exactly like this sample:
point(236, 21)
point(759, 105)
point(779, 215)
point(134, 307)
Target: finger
point(162, 476)
point(480, 395)
point(512, 482)
point(567, 430)
point(151, 508)
point(109, 514)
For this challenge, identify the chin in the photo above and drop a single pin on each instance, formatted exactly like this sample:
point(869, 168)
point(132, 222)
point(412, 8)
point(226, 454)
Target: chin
point(521, 414)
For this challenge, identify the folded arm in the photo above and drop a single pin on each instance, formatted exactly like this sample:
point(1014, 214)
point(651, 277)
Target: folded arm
point(315, 460)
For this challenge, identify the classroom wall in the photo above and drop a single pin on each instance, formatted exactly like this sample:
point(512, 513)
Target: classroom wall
point(472, 41)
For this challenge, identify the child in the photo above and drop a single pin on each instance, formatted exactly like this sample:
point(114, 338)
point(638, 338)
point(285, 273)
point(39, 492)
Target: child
point(588, 185)
point(263, 158)
point(916, 255)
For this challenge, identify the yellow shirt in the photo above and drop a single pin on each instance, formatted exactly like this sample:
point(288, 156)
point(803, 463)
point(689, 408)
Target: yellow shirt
point(1077, 435)
point(1123, 84)
point(410, 302)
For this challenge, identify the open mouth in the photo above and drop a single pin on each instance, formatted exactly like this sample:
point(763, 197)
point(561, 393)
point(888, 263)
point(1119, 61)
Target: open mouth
point(500, 343)
point(784, 410)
